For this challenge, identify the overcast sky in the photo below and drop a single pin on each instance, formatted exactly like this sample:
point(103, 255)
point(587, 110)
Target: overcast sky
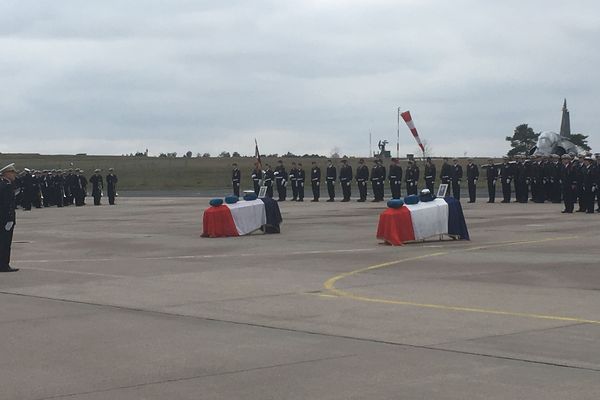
point(114, 77)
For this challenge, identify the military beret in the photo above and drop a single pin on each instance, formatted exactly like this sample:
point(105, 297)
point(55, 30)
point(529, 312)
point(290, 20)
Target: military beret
point(412, 199)
point(216, 202)
point(395, 203)
point(231, 199)
point(250, 196)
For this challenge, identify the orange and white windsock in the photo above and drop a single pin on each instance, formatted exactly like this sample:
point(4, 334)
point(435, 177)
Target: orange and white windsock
point(408, 119)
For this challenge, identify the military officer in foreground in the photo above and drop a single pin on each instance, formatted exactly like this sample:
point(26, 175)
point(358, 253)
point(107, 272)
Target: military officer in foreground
point(293, 179)
point(8, 175)
point(330, 177)
point(412, 178)
point(472, 177)
point(362, 177)
point(346, 180)
point(377, 181)
point(429, 175)
point(456, 178)
point(97, 186)
point(256, 177)
point(236, 178)
point(446, 173)
point(268, 181)
point(506, 176)
point(315, 181)
point(111, 186)
point(491, 174)
point(395, 178)
point(281, 178)
point(569, 178)
point(300, 178)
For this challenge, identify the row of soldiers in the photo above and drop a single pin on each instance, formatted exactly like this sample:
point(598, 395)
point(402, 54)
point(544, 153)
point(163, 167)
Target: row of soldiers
point(60, 188)
point(556, 179)
point(279, 177)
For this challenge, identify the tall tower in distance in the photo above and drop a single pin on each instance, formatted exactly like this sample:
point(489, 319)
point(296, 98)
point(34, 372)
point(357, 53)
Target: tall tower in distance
point(565, 123)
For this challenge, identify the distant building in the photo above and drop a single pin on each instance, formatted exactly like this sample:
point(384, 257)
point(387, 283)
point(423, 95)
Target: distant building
point(565, 123)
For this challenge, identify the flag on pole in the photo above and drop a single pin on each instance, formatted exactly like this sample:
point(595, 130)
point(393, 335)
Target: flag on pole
point(408, 119)
point(257, 156)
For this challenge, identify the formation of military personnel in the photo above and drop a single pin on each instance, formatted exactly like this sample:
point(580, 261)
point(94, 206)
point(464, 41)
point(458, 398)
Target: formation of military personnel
point(548, 179)
point(58, 188)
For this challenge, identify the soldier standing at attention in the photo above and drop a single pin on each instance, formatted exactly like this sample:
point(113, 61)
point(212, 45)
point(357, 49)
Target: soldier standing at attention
point(84, 183)
point(569, 179)
point(300, 178)
point(59, 188)
point(293, 178)
point(362, 176)
point(506, 175)
point(446, 173)
point(346, 180)
point(589, 177)
point(429, 175)
point(412, 178)
point(268, 181)
point(256, 177)
point(27, 189)
point(37, 189)
point(472, 177)
point(236, 178)
point(79, 191)
point(8, 175)
point(315, 181)
point(457, 175)
point(97, 186)
point(395, 178)
point(377, 179)
point(281, 181)
point(556, 179)
point(491, 176)
point(111, 186)
point(330, 177)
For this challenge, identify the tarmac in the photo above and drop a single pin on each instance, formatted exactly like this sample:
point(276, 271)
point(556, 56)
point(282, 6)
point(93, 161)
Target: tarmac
point(129, 302)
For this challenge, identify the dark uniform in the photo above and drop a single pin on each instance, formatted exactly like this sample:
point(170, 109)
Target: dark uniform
point(377, 181)
point(268, 181)
point(315, 181)
point(281, 178)
point(37, 190)
point(330, 177)
point(236, 179)
point(589, 175)
point(457, 175)
point(97, 187)
point(430, 176)
point(111, 187)
point(346, 180)
point(556, 195)
point(27, 190)
point(395, 180)
point(7, 222)
point(293, 178)
point(506, 177)
point(80, 189)
point(520, 180)
point(412, 178)
point(59, 189)
point(538, 182)
point(362, 176)
point(46, 184)
point(569, 178)
point(446, 173)
point(491, 174)
point(256, 176)
point(300, 178)
point(472, 177)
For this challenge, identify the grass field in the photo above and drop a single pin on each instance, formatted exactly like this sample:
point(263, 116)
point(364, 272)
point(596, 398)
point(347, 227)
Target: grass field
point(204, 174)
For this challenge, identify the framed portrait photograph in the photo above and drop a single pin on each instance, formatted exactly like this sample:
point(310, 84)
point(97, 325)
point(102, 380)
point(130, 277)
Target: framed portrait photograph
point(262, 192)
point(442, 189)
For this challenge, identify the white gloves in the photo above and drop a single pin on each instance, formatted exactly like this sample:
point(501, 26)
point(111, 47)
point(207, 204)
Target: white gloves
point(475, 181)
point(508, 181)
point(9, 225)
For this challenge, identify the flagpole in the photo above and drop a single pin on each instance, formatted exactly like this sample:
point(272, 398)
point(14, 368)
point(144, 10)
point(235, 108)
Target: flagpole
point(398, 138)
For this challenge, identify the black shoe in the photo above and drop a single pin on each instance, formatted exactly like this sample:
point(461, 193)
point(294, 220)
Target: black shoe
point(566, 212)
point(580, 211)
point(470, 201)
point(330, 201)
point(9, 269)
point(314, 200)
point(589, 212)
point(300, 200)
point(361, 200)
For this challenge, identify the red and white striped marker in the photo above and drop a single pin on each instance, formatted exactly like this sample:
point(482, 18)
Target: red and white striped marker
point(408, 119)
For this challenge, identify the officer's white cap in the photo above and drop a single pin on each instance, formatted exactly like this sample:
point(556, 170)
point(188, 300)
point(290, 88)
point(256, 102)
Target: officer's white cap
point(8, 168)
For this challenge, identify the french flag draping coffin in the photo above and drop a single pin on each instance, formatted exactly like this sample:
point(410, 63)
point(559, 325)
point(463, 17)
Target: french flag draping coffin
point(241, 218)
point(422, 221)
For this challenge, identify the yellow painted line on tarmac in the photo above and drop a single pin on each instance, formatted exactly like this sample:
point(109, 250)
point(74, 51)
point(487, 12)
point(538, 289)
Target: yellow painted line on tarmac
point(332, 291)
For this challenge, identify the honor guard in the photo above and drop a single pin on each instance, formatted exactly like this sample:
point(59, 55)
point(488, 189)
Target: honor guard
point(395, 178)
point(268, 181)
point(346, 180)
point(236, 178)
point(580, 165)
point(520, 180)
point(281, 178)
point(256, 177)
point(472, 177)
point(111, 186)
point(555, 178)
point(491, 174)
point(412, 178)
point(569, 178)
point(538, 190)
point(300, 178)
point(26, 182)
point(8, 205)
point(377, 181)
point(548, 177)
point(80, 188)
point(457, 175)
point(84, 184)
point(589, 176)
point(429, 175)
point(37, 189)
point(446, 173)
point(68, 187)
point(506, 177)
point(59, 188)
point(293, 178)
point(97, 186)
point(330, 177)
point(362, 177)
point(315, 181)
